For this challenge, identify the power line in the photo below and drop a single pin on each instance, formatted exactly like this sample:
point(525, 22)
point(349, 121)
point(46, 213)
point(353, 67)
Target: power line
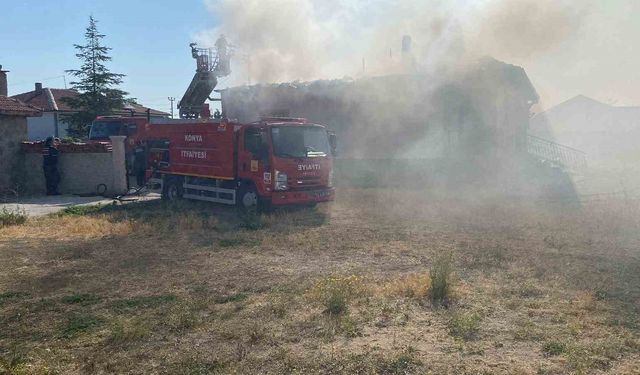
point(40, 80)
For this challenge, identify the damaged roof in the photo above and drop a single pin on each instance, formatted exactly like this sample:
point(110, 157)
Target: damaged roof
point(486, 73)
point(489, 71)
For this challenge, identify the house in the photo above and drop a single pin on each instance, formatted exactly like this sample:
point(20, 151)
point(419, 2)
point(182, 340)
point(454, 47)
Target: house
point(480, 110)
point(609, 134)
point(13, 130)
point(464, 131)
point(50, 102)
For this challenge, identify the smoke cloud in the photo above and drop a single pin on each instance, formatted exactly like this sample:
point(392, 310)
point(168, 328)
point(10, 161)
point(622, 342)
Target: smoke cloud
point(525, 28)
point(305, 40)
point(274, 40)
point(288, 40)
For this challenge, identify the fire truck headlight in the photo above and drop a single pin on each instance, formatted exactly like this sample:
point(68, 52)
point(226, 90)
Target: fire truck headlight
point(330, 179)
point(281, 181)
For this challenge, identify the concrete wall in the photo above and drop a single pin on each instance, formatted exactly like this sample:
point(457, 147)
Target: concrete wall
point(13, 130)
point(39, 128)
point(81, 172)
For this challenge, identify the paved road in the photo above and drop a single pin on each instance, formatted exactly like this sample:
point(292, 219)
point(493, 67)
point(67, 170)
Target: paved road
point(39, 206)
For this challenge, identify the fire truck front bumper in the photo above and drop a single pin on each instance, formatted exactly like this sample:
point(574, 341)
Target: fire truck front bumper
point(302, 197)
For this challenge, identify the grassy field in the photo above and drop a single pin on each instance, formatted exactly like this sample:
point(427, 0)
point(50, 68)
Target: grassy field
point(378, 282)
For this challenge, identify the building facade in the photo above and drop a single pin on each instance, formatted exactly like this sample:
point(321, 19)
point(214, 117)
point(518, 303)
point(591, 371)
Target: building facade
point(13, 130)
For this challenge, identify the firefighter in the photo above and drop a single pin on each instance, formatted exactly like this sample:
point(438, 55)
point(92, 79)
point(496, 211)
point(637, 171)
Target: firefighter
point(139, 163)
point(222, 47)
point(50, 165)
point(201, 60)
point(194, 50)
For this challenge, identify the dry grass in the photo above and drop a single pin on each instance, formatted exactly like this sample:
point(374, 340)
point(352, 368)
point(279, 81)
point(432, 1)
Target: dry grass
point(349, 288)
point(69, 228)
point(335, 294)
point(10, 217)
point(414, 286)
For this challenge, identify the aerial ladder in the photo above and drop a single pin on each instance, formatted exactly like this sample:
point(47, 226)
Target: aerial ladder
point(210, 65)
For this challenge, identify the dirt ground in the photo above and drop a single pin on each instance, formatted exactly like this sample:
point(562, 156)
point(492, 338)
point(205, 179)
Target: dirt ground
point(349, 287)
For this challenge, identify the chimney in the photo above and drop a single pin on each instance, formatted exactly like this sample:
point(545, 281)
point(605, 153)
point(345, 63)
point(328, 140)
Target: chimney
point(38, 86)
point(406, 44)
point(4, 90)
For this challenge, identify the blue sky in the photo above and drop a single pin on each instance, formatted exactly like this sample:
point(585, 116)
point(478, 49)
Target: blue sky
point(149, 40)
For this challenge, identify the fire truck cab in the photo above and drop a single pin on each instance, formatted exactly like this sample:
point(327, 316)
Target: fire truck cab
point(271, 162)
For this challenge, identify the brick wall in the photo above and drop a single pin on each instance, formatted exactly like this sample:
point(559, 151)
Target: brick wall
point(13, 130)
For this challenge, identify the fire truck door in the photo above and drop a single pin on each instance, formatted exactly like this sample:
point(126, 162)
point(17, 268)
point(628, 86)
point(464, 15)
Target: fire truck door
point(254, 158)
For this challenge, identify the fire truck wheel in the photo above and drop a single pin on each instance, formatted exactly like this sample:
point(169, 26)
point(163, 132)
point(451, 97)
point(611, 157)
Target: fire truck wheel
point(247, 198)
point(172, 190)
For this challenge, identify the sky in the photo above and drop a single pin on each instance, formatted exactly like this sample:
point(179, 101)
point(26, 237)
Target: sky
point(149, 41)
point(568, 47)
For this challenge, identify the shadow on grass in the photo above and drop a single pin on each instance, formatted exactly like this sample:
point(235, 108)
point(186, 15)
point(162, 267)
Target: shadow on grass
point(163, 237)
point(227, 218)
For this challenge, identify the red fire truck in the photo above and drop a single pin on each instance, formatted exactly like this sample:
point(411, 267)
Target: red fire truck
point(272, 162)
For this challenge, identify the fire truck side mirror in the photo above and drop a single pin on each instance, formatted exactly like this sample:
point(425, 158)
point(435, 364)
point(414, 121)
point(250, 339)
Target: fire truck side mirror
point(333, 142)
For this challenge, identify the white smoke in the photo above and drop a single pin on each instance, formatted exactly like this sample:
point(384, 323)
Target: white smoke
point(285, 40)
point(288, 40)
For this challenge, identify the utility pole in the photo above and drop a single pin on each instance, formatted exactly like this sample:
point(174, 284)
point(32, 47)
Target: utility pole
point(171, 99)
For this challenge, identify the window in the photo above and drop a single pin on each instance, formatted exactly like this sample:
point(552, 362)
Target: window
point(300, 141)
point(252, 140)
point(102, 130)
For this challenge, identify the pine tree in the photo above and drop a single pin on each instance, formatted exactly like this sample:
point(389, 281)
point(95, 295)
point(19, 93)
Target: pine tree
point(96, 85)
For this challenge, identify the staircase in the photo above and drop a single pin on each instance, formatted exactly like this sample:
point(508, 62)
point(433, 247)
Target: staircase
point(556, 154)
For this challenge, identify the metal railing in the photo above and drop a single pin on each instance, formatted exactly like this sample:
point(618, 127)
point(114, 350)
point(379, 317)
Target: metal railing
point(206, 59)
point(561, 155)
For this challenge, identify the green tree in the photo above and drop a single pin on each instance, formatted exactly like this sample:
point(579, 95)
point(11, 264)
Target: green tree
point(96, 85)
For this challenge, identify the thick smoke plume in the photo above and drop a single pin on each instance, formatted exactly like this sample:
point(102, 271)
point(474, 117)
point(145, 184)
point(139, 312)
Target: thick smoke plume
point(304, 40)
point(525, 28)
point(287, 40)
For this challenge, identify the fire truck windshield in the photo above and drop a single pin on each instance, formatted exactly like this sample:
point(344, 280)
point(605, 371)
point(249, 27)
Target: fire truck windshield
point(299, 141)
point(102, 130)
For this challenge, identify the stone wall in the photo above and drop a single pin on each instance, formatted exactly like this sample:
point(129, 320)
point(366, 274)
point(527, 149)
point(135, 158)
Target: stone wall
point(13, 130)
